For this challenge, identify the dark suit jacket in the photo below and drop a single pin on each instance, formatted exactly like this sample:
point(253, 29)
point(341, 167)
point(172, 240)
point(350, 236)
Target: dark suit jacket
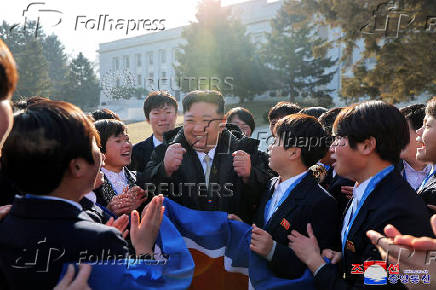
point(60, 232)
point(394, 202)
point(428, 193)
point(333, 186)
point(227, 191)
point(94, 211)
point(141, 154)
point(307, 203)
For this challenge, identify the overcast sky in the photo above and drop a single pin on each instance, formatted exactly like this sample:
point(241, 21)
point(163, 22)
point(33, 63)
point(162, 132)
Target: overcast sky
point(81, 39)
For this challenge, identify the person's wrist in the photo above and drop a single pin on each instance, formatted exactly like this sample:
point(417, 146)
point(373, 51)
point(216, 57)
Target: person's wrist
point(143, 251)
point(314, 262)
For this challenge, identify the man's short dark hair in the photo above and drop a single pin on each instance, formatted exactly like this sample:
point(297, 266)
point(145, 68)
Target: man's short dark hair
point(305, 132)
point(415, 114)
point(282, 109)
point(25, 102)
point(158, 99)
point(8, 72)
point(328, 118)
point(45, 137)
point(208, 96)
point(314, 111)
point(375, 119)
point(107, 128)
point(430, 108)
point(104, 114)
point(243, 114)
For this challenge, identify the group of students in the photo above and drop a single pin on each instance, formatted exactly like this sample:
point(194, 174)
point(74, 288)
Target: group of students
point(331, 183)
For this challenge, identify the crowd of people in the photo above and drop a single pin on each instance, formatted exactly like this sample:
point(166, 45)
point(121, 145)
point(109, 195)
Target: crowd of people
point(335, 188)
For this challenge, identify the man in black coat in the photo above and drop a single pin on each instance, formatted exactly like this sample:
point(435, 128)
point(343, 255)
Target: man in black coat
point(160, 110)
point(370, 138)
point(294, 198)
point(204, 166)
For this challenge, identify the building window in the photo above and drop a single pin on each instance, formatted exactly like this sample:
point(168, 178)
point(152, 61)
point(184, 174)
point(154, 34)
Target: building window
point(115, 63)
point(138, 60)
point(150, 58)
point(139, 80)
point(163, 56)
point(126, 61)
point(163, 78)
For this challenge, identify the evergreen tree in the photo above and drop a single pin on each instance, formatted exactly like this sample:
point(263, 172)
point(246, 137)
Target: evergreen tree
point(81, 86)
point(33, 71)
point(57, 63)
point(399, 35)
point(218, 55)
point(297, 57)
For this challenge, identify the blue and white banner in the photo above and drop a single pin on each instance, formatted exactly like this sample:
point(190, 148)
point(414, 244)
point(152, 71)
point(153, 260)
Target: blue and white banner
point(174, 272)
point(214, 235)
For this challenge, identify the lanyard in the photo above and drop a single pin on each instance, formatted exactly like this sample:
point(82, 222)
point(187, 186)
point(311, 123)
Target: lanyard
point(431, 173)
point(372, 184)
point(284, 197)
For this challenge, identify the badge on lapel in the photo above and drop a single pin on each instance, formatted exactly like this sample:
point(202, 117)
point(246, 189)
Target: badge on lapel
point(350, 246)
point(284, 223)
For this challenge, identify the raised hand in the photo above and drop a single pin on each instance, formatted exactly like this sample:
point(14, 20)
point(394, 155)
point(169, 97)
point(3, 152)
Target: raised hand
point(144, 231)
point(120, 224)
point(242, 164)
point(173, 158)
point(81, 281)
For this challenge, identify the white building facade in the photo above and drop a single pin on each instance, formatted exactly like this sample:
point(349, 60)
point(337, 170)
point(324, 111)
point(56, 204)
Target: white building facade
point(148, 61)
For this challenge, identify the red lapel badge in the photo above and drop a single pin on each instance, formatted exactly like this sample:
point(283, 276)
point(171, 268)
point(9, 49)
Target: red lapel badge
point(284, 223)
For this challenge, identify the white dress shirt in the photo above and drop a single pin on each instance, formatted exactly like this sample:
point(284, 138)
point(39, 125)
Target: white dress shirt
point(91, 196)
point(118, 180)
point(279, 190)
point(201, 156)
point(415, 177)
point(358, 192)
point(156, 142)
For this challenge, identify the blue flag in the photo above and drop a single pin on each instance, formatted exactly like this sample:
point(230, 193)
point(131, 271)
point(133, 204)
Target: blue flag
point(175, 272)
point(213, 234)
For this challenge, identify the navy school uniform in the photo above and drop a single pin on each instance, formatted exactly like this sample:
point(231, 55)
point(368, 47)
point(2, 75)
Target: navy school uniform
point(306, 203)
point(392, 201)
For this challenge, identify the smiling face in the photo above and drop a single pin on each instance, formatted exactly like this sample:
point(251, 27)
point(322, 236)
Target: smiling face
point(347, 161)
point(162, 119)
point(426, 140)
point(242, 125)
point(118, 152)
point(202, 126)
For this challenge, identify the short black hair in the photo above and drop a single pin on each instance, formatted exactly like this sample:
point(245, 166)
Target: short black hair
point(430, 108)
point(103, 114)
point(158, 99)
point(300, 130)
point(328, 118)
point(208, 96)
point(282, 109)
point(314, 111)
point(415, 114)
point(25, 102)
point(375, 119)
point(107, 128)
point(243, 114)
point(45, 137)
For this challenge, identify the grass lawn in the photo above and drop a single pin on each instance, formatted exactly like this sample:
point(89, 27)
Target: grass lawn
point(141, 130)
